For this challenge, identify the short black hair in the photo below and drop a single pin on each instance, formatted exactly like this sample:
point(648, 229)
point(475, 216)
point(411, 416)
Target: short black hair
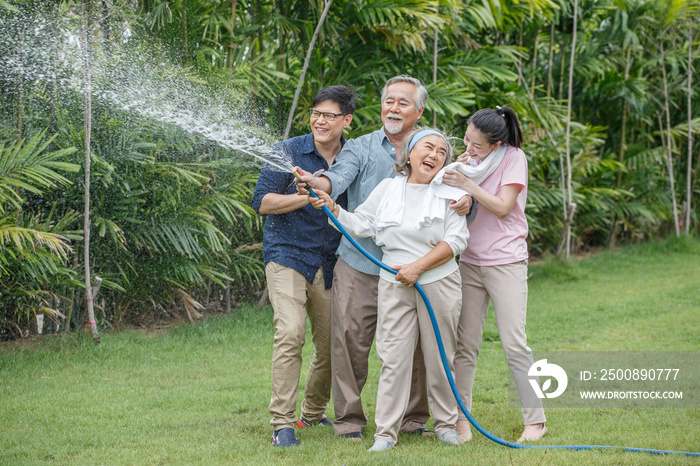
point(344, 97)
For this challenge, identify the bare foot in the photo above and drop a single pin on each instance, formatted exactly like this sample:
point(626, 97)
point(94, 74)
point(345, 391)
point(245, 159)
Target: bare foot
point(464, 430)
point(533, 432)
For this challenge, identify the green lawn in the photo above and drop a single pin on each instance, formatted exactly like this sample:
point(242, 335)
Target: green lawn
point(199, 393)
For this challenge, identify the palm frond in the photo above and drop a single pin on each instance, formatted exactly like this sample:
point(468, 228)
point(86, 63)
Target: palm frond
point(25, 165)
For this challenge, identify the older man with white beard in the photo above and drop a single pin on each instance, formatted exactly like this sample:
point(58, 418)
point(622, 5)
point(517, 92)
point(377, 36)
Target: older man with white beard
point(360, 166)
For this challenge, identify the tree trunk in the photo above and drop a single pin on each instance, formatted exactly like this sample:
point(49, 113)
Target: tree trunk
point(20, 110)
point(282, 63)
point(695, 179)
point(669, 159)
point(183, 28)
point(520, 44)
point(265, 298)
point(227, 296)
point(306, 65)
point(87, 128)
point(688, 182)
point(53, 118)
point(561, 71)
point(73, 290)
point(534, 59)
point(255, 15)
point(20, 91)
point(435, 67)
point(568, 220)
point(229, 60)
point(207, 297)
point(551, 63)
point(564, 238)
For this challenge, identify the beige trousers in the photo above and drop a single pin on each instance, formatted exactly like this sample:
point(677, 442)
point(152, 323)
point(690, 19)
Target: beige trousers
point(293, 298)
point(403, 318)
point(506, 286)
point(353, 325)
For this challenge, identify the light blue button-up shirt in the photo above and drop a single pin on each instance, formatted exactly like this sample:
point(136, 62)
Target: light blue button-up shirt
point(359, 167)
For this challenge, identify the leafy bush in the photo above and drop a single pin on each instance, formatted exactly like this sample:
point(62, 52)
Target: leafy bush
point(35, 244)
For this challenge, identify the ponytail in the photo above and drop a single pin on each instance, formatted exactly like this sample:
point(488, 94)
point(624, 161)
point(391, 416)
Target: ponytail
point(497, 125)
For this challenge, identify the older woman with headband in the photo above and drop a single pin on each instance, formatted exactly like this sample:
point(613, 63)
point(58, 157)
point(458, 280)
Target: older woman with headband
point(419, 235)
point(494, 267)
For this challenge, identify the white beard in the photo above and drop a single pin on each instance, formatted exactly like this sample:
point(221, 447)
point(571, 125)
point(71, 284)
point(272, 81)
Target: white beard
point(393, 126)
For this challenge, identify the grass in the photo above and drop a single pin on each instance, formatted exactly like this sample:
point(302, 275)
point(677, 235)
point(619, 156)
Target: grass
point(198, 394)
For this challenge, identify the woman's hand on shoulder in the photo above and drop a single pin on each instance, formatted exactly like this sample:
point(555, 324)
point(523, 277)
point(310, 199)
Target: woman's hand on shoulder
point(463, 206)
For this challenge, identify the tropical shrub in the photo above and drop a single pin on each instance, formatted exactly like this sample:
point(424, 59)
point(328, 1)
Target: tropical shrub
point(35, 242)
point(172, 233)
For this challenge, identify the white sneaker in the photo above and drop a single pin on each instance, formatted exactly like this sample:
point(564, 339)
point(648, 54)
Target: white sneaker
point(451, 437)
point(381, 445)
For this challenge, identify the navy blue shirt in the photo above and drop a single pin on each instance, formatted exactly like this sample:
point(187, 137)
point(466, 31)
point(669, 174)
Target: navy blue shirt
point(301, 239)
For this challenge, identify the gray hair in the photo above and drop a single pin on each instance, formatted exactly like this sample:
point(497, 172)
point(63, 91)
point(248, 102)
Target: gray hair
point(402, 167)
point(421, 96)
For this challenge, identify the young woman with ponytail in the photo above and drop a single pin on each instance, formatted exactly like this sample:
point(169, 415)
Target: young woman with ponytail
point(494, 265)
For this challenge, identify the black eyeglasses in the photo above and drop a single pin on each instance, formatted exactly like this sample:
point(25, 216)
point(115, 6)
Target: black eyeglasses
point(328, 116)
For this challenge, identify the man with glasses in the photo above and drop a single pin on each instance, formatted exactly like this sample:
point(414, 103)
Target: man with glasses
point(361, 165)
point(299, 253)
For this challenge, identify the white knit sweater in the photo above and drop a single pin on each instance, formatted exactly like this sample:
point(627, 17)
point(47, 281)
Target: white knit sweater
point(405, 243)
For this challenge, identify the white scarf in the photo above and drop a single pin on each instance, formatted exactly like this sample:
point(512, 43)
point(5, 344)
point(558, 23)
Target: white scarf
point(477, 172)
point(393, 204)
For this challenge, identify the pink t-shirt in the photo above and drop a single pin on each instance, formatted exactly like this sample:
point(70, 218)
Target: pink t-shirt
point(495, 241)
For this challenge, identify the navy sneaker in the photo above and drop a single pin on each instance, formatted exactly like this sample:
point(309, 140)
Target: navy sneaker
point(422, 432)
point(303, 423)
point(284, 438)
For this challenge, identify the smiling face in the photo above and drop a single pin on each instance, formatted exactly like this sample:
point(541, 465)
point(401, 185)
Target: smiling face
point(399, 112)
point(328, 132)
point(426, 159)
point(478, 146)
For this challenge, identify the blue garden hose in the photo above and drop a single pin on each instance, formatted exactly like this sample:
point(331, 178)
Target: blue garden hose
point(450, 378)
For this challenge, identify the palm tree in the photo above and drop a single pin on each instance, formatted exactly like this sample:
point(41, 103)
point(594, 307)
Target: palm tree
point(34, 247)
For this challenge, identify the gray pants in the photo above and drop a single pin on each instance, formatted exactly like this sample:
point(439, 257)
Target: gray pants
point(353, 324)
point(403, 318)
point(506, 286)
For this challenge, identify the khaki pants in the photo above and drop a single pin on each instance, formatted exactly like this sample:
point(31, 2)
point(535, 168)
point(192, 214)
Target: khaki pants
point(293, 298)
point(353, 324)
point(403, 317)
point(506, 286)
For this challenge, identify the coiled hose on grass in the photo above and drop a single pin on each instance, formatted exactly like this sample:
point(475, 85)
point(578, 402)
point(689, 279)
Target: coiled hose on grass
point(453, 386)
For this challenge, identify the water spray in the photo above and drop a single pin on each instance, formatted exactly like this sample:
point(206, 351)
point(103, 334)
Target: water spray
point(130, 77)
point(450, 378)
